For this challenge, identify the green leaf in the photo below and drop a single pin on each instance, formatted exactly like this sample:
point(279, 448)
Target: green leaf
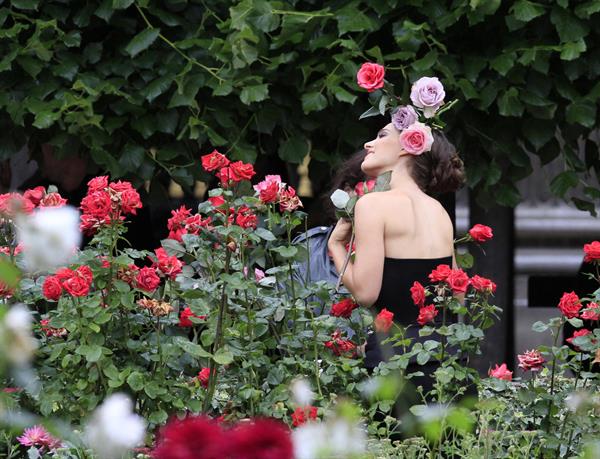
point(294, 149)
point(286, 252)
point(25, 4)
point(582, 112)
point(9, 273)
point(563, 182)
point(191, 348)
point(157, 87)
point(584, 205)
point(503, 63)
point(525, 10)
point(121, 4)
point(254, 93)
point(342, 95)
point(142, 41)
point(423, 358)
point(464, 260)
point(313, 102)
point(573, 50)
point(426, 62)
point(131, 157)
point(538, 132)
point(509, 103)
point(568, 26)
point(223, 356)
point(351, 19)
point(92, 352)
point(539, 327)
point(265, 234)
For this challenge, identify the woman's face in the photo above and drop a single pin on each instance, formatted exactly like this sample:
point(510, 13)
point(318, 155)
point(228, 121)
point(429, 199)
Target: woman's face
point(382, 152)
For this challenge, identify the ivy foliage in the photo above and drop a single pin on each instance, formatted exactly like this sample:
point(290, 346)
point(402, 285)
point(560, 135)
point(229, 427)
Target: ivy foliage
point(143, 87)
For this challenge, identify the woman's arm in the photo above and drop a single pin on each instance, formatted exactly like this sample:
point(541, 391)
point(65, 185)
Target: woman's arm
point(363, 277)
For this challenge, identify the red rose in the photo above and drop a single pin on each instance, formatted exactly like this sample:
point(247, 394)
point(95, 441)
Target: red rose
point(592, 251)
point(576, 334)
point(169, 265)
point(343, 308)
point(214, 161)
point(184, 438)
point(417, 292)
point(440, 274)
point(362, 188)
point(245, 218)
point(52, 288)
point(64, 273)
point(241, 171)
point(427, 314)
point(98, 183)
point(130, 201)
point(89, 224)
point(483, 285)
point(203, 377)
point(384, 321)
point(370, 76)
point(288, 201)
point(270, 193)
point(592, 312)
point(303, 414)
point(501, 372)
point(86, 273)
point(481, 233)
point(76, 286)
point(147, 279)
point(569, 305)
point(340, 346)
point(261, 439)
point(531, 360)
point(458, 281)
point(35, 195)
point(184, 318)
point(97, 204)
point(217, 201)
point(53, 200)
point(224, 175)
point(51, 331)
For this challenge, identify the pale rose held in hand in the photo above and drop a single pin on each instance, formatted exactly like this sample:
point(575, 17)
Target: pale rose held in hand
point(592, 252)
point(370, 76)
point(427, 314)
point(384, 321)
point(404, 116)
point(481, 233)
point(427, 93)
point(570, 305)
point(531, 360)
point(501, 372)
point(416, 139)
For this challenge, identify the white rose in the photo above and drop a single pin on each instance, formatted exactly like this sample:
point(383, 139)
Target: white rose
point(340, 198)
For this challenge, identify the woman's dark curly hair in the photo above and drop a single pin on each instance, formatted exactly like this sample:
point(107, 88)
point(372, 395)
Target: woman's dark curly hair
point(440, 170)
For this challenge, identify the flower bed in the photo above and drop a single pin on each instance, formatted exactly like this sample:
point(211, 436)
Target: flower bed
point(213, 332)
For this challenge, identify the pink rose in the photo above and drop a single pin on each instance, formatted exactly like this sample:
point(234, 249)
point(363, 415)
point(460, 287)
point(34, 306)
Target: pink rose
point(362, 188)
point(569, 305)
point(501, 372)
point(416, 139)
point(531, 360)
point(370, 76)
point(428, 94)
point(384, 321)
point(592, 252)
point(269, 179)
point(481, 233)
point(592, 312)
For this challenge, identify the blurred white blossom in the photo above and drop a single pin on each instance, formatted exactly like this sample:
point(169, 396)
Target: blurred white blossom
point(16, 336)
point(114, 428)
point(49, 236)
point(335, 438)
point(302, 393)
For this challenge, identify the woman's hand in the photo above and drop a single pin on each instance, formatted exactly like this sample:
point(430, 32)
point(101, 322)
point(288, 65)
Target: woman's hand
point(342, 232)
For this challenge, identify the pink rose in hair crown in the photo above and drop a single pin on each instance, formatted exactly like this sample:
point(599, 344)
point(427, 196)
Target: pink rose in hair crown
point(370, 76)
point(404, 116)
point(416, 139)
point(427, 94)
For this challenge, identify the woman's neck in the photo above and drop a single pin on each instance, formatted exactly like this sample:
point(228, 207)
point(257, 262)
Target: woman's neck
point(401, 180)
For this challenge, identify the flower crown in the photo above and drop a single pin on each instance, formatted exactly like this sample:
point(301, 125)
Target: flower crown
point(414, 121)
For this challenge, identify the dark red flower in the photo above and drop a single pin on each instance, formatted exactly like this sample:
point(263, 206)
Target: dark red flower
point(52, 288)
point(241, 171)
point(203, 377)
point(85, 272)
point(217, 201)
point(343, 308)
point(384, 321)
point(458, 281)
point(531, 360)
point(340, 346)
point(591, 312)
point(98, 183)
point(261, 439)
point(97, 204)
point(427, 314)
point(303, 414)
point(191, 438)
point(592, 251)
point(288, 201)
point(147, 279)
point(184, 318)
point(440, 274)
point(483, 285)
point(417, 293)
point(481, 233)
point(246, 218)
point(76, 286)
point(270, 192)
point(569, 305)
point(169, 265)
point(214, 161)
point(361, 188)
point(576, 334)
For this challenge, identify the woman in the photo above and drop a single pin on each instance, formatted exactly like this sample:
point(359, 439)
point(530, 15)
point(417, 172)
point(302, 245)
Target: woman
point(401, 234)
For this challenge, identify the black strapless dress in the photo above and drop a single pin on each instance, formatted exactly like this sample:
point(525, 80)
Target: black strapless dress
point(399, 274)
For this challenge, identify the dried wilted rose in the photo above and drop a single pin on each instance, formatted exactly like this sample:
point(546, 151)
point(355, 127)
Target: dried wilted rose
point(156, 308)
